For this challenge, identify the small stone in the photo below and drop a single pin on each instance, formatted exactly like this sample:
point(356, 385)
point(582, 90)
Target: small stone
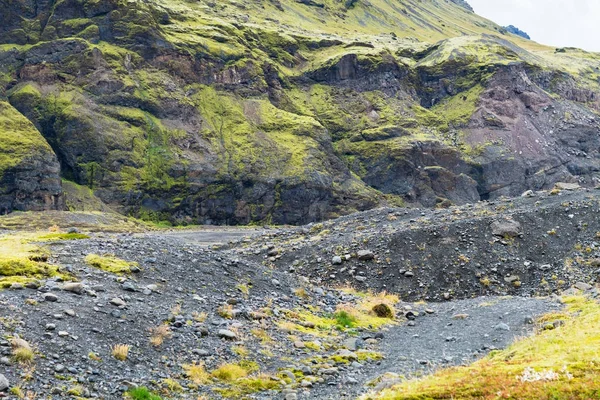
point(117, 302)
point(73, 287)
point(502, 327)
point(227, 334)
point(50, 327)
point(337, 260)
point(506, 228)
point(4, 384)
point(50, 297)
point(348, 354)
point(583, 286)
point(128, 286)
point(351, 344)
point(201, 352)
point(365, 255)
point(63, 333)
point(299, 344)
point(59, 368)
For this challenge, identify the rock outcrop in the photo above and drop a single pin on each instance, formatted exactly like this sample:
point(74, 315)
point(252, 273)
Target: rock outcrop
point(29, 171)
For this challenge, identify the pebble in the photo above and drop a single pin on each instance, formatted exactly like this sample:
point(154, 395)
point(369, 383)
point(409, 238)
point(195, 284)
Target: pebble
point(73, 287)
point(365, 255)
point(502, 327)
point(117, 302)
point(4, 384)
point(227, 334)
point(50, 297)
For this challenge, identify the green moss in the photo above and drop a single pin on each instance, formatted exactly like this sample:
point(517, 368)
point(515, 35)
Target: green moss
point(110, 264)
point(23, 262)
point(141, 393)
point(19, 138)
point(62, 236)
point(247, 386)
point(459, 109)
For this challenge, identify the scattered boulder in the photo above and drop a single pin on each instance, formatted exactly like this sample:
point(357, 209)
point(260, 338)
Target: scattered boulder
point(506, 228)
point(50, 297)
point(73, 287)
point(365, 255)
point(117, 302)
point(227, 334)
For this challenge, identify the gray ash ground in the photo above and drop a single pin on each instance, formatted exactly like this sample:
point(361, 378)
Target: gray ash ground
point(450, 258)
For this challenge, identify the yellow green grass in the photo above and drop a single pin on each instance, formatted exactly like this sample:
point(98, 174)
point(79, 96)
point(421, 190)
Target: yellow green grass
point(359, 315)
point(23, 261)
point(240, 378)
point(563, 363)
point(110, 263)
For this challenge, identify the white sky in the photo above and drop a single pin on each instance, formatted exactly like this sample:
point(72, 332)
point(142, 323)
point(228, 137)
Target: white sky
point(561, 23)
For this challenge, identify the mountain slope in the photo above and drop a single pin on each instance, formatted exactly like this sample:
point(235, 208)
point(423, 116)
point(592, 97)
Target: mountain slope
point(289, 111)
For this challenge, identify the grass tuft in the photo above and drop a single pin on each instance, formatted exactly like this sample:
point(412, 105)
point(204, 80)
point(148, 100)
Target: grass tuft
point(120, 351)
point(141, 393)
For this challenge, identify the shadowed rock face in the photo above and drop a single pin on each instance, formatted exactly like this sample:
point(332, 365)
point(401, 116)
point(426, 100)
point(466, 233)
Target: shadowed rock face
point(168, 112)
point(29, 172)
point(34, 185)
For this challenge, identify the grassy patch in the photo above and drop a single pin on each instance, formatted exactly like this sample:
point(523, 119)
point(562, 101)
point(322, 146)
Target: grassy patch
point(62, 236)
point(110, 263)
point(23, 262)
point(141, 393)
point(562, 363)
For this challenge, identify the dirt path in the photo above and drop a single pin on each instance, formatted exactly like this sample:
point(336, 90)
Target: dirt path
point(209, 236)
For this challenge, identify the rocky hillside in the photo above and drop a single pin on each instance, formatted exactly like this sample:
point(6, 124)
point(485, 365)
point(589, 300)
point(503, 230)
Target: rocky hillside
point(283, 111)
point(322, 312)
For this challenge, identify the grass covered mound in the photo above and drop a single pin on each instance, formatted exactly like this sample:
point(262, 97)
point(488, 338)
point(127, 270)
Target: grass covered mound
point(561, 363)
point(110, 263)
point(23, 261)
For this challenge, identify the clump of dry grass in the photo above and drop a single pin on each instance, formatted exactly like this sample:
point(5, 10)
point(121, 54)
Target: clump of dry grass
point(21, 351)
point(301, 292)
point(197, 373)
point(159, 334)
point(120, 351)
point(226, 311)
point(229, 372)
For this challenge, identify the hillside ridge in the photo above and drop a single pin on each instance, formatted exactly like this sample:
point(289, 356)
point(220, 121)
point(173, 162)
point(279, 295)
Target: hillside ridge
point(289, 112)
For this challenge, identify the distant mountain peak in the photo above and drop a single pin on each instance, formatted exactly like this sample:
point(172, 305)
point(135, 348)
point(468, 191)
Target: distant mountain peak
point(513, 29)
point(463, 4)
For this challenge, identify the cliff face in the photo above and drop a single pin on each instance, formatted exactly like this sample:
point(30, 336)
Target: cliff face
point(288, 112)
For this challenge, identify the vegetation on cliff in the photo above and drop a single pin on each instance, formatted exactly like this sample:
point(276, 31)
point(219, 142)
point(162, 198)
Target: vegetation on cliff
point(282, 111)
